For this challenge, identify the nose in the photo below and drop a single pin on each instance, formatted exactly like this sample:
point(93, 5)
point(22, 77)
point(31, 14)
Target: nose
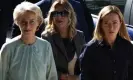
point(59, 16)
point(27, 24)
point(111, 27)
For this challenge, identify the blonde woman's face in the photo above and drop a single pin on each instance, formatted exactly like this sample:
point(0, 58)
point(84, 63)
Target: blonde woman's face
point(28, 23)
point(110, 25)
point(60, 18)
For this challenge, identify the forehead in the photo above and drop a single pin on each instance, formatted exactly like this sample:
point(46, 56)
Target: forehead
point(111, 16)
point(27, 15)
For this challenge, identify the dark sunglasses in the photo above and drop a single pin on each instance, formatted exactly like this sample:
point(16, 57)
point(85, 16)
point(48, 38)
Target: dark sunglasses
point(61, 13)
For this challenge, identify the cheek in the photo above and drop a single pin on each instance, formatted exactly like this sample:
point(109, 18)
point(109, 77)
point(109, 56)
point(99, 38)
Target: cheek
point(117, 28)
point(103, 28)
point(67, 20)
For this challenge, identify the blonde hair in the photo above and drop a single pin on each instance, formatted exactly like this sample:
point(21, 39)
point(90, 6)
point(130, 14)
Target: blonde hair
point(98, 33)
point(24, 7)
point(72, 20)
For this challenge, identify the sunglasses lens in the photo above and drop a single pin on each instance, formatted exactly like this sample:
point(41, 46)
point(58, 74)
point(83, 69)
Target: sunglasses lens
point(56, 13)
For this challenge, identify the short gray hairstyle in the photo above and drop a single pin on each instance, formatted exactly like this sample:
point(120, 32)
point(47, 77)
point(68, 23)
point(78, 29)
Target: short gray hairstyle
point(24, 7)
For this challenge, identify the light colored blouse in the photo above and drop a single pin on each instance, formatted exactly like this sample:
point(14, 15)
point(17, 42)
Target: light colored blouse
point(19, 61)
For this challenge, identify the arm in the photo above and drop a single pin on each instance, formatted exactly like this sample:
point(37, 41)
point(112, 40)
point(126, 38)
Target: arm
point(4, 63)
point(51, 68)
point(85, 64)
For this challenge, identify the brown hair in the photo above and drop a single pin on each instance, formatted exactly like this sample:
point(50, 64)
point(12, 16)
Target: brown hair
point(98, 34)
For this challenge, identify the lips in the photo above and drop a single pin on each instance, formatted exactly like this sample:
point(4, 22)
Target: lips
point(111, 32)
point(59, 21)
point(26, 30)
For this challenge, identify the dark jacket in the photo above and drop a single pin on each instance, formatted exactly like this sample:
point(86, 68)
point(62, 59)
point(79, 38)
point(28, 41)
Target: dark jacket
point(60, 54)
point(101, 62)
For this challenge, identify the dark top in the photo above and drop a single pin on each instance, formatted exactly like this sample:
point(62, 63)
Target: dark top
point(70, 48)
point(60, 54)
point(101, 62)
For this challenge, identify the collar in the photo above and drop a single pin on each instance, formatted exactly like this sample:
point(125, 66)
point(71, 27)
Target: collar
point(103, 43)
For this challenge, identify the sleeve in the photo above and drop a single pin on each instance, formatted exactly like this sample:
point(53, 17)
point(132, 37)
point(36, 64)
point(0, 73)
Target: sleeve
point(51, 68)
point(130, 66)
point(85, 67)
point(4, 62)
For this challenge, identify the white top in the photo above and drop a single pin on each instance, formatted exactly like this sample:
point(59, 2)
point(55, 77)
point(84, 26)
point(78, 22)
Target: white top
point(71, 65)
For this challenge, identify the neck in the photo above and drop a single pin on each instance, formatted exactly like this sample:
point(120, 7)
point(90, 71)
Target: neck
point(64, 33)
point(110, 41)
point(28, 39)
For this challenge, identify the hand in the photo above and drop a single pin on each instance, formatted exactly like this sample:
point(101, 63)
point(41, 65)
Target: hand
point(64, 77)
point(68, 77)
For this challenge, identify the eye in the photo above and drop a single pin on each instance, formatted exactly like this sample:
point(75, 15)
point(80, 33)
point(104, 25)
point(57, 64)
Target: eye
point(23, 22)
point(115, 22)
point(32, 21)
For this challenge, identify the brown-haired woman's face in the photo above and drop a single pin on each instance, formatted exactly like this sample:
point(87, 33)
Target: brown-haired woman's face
point(60, 18)
point(110, 25)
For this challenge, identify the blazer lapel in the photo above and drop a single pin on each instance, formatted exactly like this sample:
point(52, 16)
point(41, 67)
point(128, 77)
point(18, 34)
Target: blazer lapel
point(77, 44)
point(59, 44)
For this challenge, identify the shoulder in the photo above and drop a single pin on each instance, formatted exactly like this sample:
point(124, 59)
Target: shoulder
point(79, 32)
point(79, 35)
point(46, 34)
point(91, 45)
point(41, 41)
point(123, 41)
point(88, 48)
point(12, 41)
point(10, 45)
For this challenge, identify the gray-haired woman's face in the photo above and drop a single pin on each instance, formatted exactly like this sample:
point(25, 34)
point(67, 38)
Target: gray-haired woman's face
point(28, 23)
